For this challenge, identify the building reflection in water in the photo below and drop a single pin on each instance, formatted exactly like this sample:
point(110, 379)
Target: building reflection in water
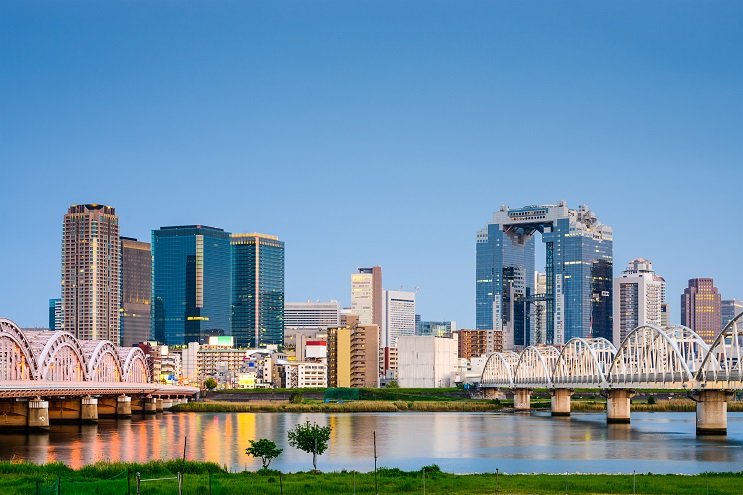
point(458, 442)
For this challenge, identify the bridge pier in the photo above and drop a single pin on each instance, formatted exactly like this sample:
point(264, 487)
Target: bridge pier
point(88, 410)
point(167, 403)
point(618, 405)
point(522, 399)
point(38, 415)
point(561, 401)
point(150, 405)
point(712, 411)
point(123, 406)
point(159, 405)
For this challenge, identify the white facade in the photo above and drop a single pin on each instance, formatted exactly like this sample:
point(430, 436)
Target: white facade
point(307, 375)
point(362, 297)
point(398, 316)
point(427, 362)
point(311, 315)
point(639, 295)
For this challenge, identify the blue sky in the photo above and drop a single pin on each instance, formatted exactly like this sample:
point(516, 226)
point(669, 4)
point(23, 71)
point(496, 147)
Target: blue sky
point(366, 133)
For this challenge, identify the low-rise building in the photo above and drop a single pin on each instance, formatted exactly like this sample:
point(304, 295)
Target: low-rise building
point(427, 362)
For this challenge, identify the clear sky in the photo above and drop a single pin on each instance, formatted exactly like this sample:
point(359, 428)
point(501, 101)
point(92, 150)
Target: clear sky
point(370, 132)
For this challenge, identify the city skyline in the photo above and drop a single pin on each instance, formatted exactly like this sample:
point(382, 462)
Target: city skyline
point(438, 115)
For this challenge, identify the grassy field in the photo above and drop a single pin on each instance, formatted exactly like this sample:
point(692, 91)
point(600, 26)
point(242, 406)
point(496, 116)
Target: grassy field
point(208, 478)
point(352, 406)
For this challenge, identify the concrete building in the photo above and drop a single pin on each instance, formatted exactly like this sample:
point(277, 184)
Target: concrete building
point(366, 295)
point(257, 290)
point(427, 362)
point(388, 364)
point(307, 375)
point(730, 308)
point(311, 315)
point(639, 295)
point(218, 357)
point(398, 316)
point(473, 343)
point(339, 357)
point(578, 266)
point(701, 308)
point(136, 291)
point(166, 365)
point(540, 309)
point(90, 272)
point(436, 328)
point(353, 355)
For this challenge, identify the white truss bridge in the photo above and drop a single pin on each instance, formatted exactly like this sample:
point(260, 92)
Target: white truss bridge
point(672, 358)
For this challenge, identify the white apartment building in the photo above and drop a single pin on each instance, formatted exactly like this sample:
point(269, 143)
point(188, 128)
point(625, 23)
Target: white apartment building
point(639, 295)
point(308, 375)
point(398, 317)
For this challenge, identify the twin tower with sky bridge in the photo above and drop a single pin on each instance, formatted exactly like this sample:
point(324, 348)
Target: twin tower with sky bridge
point(575, 298)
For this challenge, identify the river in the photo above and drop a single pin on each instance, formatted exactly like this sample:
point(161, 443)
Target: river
point(457, 442)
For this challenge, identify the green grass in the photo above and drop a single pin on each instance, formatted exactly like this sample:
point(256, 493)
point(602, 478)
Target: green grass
point(199, 477)
point(351, 406)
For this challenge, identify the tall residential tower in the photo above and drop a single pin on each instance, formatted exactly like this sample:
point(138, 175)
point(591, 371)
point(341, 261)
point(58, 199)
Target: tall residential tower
point(366, 295)
point(90, 272)
point(639, 296)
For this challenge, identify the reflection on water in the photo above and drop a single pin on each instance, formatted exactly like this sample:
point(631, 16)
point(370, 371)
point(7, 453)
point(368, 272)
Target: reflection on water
point(458, 442)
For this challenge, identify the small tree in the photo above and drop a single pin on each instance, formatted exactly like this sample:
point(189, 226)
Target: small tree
point(265, 449)
point(210, 383)
point(393, 384)
point(311, 438)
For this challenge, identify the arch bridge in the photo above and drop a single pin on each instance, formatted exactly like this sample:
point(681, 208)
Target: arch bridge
point(671, 358)
point(79, 378)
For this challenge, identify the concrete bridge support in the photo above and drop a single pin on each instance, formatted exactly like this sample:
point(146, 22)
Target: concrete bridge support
point(159, 405)
point(167, 403)
point(38, 415)
point(88, 409)
point(123, 406)
point(522, 399)
point(712, 411)
point(561, 401)
point(150, 405)
point(618, 405)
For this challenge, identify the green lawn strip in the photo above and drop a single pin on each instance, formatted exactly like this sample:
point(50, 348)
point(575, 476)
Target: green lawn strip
point(97, 478)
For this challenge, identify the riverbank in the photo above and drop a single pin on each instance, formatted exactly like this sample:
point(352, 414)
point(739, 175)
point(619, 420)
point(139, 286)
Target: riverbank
point(209, 478)
point(672, 405)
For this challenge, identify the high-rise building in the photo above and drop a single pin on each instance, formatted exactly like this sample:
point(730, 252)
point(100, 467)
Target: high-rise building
point(639, 295)
point(136, 291)
point(366, 295)
point(398, 316)
point(90, 272)
point(257, 290)
point(701, 308)
point(437, 328)
point(311, 315)
point(339, 357)
point(540, 309)
point(191, 283)
point(55, 314)
point(578, 278)
point(730, 308)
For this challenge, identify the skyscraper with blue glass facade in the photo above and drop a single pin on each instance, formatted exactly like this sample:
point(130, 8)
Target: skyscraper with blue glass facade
point(257, 290)
point(191, 283)
point(578, 265)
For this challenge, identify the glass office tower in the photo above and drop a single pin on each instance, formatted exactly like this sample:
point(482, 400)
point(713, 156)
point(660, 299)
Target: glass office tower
point(257, 290)
point(191, 283)
point(578, 266)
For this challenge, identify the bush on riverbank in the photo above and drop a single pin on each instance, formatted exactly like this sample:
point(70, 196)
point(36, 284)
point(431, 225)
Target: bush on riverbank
point(203, 478)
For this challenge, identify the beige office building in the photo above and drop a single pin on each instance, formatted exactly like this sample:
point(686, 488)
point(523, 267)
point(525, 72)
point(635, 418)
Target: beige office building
point(90, 272)
point(353, 355)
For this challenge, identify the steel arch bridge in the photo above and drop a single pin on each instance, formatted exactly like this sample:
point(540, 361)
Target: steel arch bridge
point(58, 356)
point(650, 357)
